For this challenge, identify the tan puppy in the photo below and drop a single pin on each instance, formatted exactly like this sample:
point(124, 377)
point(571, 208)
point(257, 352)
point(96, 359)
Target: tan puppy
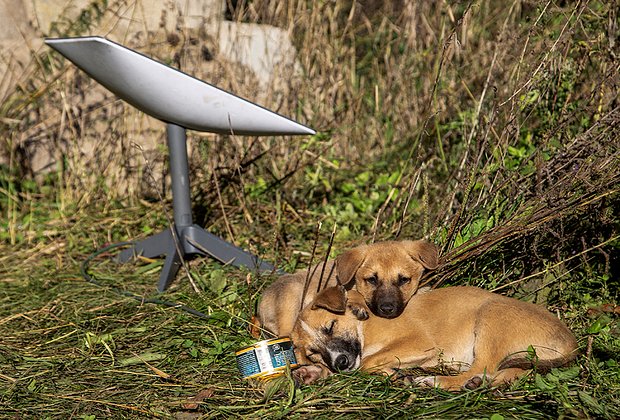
point(386, 274)
point(482, 336)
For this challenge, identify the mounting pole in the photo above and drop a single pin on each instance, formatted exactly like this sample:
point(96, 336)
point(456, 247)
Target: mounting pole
point(181, 199)
point(184, 239)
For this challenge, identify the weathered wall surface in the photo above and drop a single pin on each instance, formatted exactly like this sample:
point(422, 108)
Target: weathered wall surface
point(24, 24)
point(247, 59)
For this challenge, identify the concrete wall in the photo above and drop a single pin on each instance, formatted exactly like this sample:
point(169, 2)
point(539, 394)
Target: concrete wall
point(25, 23)
point(246, 59)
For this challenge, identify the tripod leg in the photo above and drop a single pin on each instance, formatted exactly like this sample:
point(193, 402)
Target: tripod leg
point(162, 243)
point(209, 244)
point(169, 271)
point(193, 240)
point(153, 246)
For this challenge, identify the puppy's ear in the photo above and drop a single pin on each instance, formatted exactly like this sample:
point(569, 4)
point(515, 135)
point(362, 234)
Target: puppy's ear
point(424, 252)
point(348, 263)
point(334, 299)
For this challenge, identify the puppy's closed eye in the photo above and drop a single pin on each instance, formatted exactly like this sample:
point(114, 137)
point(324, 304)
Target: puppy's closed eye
point(328, 329)
point(314, 355)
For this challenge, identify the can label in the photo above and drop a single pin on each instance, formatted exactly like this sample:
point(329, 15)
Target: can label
point(266, 358)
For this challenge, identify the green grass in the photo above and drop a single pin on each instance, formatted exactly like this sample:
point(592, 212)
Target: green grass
point(75, 349)
point(491, 129)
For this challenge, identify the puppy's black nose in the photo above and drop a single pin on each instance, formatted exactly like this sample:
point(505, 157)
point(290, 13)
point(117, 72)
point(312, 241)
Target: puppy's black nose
point(341, 362)
point(387, 309)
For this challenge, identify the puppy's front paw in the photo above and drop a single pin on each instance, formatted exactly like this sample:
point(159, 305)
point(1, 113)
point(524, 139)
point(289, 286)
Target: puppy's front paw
point(357, 304)
point(429, 381)
point(308, 374)
point(360, 312)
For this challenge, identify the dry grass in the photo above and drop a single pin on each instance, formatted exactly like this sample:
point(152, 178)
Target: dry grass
point(491, 128)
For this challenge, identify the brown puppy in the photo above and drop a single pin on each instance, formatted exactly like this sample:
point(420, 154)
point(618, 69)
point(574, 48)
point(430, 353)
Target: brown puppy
point(485, 337)
point(386, 274)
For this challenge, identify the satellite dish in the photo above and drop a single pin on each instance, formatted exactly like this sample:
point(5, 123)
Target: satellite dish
point(169, 94)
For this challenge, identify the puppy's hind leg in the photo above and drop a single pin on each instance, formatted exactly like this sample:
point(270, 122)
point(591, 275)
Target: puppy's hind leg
point(468, 380)
point(488, 351)
point(507, 376)
point(502, 377)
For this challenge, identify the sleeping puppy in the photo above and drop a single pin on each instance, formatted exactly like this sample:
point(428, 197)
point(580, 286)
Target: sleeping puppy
point(482, 336)
point(386, 274)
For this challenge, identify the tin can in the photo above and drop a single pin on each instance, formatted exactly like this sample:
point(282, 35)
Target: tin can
point(266, 359)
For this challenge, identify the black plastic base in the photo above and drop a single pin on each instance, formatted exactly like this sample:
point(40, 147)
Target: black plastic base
point(190, 241)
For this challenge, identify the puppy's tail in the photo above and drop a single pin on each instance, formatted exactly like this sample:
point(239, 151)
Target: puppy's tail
point(528, 360)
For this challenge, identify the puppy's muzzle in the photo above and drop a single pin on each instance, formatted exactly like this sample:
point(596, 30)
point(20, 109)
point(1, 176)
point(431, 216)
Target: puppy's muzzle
point(343, 354)
point(387, 308)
